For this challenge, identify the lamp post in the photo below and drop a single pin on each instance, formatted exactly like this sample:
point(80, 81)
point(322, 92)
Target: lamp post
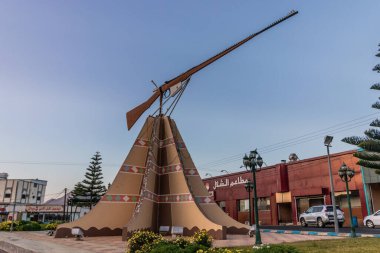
point(248, 187)
point(328, 140)
point(225, 171)
point(252, 162)
point(346, 174)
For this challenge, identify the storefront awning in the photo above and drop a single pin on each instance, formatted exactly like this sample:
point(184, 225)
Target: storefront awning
point(341, 193)
point(283, 197)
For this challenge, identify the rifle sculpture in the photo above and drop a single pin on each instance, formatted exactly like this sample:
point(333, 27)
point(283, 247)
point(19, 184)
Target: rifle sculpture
point(158, 185)
point(134, 114)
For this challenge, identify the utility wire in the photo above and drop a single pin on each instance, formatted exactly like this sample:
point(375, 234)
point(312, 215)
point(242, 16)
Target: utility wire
point(266, 149)
point(294, 141)
point(225, 162)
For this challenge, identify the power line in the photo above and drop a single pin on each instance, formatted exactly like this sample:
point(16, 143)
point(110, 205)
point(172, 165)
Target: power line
point(344, 126)
point(285, 142)
point(55, 163)
point(295, 141)
point(275, 149)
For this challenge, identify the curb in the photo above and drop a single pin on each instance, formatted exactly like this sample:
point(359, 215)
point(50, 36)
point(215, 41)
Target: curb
point(298, 232)
point(9, 247)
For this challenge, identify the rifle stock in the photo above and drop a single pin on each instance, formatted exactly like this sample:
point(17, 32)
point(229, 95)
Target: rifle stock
point(134, 114)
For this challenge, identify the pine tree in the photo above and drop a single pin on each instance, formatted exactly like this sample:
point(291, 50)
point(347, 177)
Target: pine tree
point(92, 184)
point(78, 195)
point(369, 152)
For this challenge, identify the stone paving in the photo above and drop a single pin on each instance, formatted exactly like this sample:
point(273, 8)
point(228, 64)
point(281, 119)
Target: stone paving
point(30, 242)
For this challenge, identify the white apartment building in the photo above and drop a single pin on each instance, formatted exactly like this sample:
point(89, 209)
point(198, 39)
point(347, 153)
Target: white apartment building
point(16, 194)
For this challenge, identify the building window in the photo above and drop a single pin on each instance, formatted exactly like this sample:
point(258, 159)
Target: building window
point(7, 195)
point(35, 185)
point(38, 198)
point(23, 196)
point(222, 204)
point(263, 203)
point(342, 199)
point(243, 205)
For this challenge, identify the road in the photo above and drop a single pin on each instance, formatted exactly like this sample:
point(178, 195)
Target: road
point(362, 230)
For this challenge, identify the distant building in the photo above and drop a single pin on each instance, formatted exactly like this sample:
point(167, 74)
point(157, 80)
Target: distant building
point(17, 194)
point(55, 209)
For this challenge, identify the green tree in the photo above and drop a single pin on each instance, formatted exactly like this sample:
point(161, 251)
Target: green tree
point(93, 187)
point(78, 195)
point(369, 145)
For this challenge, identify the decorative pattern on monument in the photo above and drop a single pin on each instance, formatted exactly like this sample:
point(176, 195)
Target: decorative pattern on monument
point(133, 169)
point(141, 143)
point(168, 198)
point(149, 168)
point(161, 143)
point(121, 198)
point(191, 172)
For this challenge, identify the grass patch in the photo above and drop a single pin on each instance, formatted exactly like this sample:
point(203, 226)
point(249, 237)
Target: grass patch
point(347, 245)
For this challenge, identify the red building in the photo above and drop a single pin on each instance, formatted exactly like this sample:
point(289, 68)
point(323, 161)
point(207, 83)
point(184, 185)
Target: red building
point(286, 190)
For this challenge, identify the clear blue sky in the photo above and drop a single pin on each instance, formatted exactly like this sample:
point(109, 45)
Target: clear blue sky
point(70, 70)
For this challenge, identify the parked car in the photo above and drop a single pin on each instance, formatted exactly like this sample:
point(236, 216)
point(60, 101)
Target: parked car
point(372, 220)
point(321, 216)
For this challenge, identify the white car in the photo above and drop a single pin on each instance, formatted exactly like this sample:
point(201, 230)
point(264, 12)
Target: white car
point(372, 220)
point(321, 216)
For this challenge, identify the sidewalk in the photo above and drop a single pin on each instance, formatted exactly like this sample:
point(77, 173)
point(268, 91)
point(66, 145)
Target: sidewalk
point(33, 242)
point(39, 242)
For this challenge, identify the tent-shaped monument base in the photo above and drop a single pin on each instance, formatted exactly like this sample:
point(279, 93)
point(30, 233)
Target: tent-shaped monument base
point(157, 185)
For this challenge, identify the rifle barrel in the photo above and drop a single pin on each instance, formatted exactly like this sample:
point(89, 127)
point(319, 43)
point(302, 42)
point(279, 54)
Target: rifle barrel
point(134, 114)
point(204, 64)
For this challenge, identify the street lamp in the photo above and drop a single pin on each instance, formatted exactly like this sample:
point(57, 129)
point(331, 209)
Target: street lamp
point(328, 140)
point(225, 171)
point(208, 175)
point(248, 187)
point(346, 175)
point(252, 162)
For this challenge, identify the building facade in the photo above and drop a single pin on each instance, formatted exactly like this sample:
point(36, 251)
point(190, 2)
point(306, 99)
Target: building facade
point(17, 194)
point(287, 189)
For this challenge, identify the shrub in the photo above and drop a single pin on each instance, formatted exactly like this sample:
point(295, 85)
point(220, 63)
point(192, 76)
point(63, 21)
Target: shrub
point(193, 248)
point(30, 226)
point(6, 225)
point(166, 247)
point(143, 241)
point(181, 242)
point(147, 241)
point(51, 226)
point(202, 238)
point(224, 250)
point(275, 249)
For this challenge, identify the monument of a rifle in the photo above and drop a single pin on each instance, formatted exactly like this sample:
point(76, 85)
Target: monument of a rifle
point(158, 184)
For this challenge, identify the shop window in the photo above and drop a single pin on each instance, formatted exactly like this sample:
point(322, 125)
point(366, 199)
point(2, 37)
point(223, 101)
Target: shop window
point(7, 195)
point(354, 196)
point(263, 203)
point(243, 205)
point(304, 203)
point(222, 204)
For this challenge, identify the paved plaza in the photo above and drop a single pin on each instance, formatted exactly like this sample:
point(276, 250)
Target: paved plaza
point(30, 242)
